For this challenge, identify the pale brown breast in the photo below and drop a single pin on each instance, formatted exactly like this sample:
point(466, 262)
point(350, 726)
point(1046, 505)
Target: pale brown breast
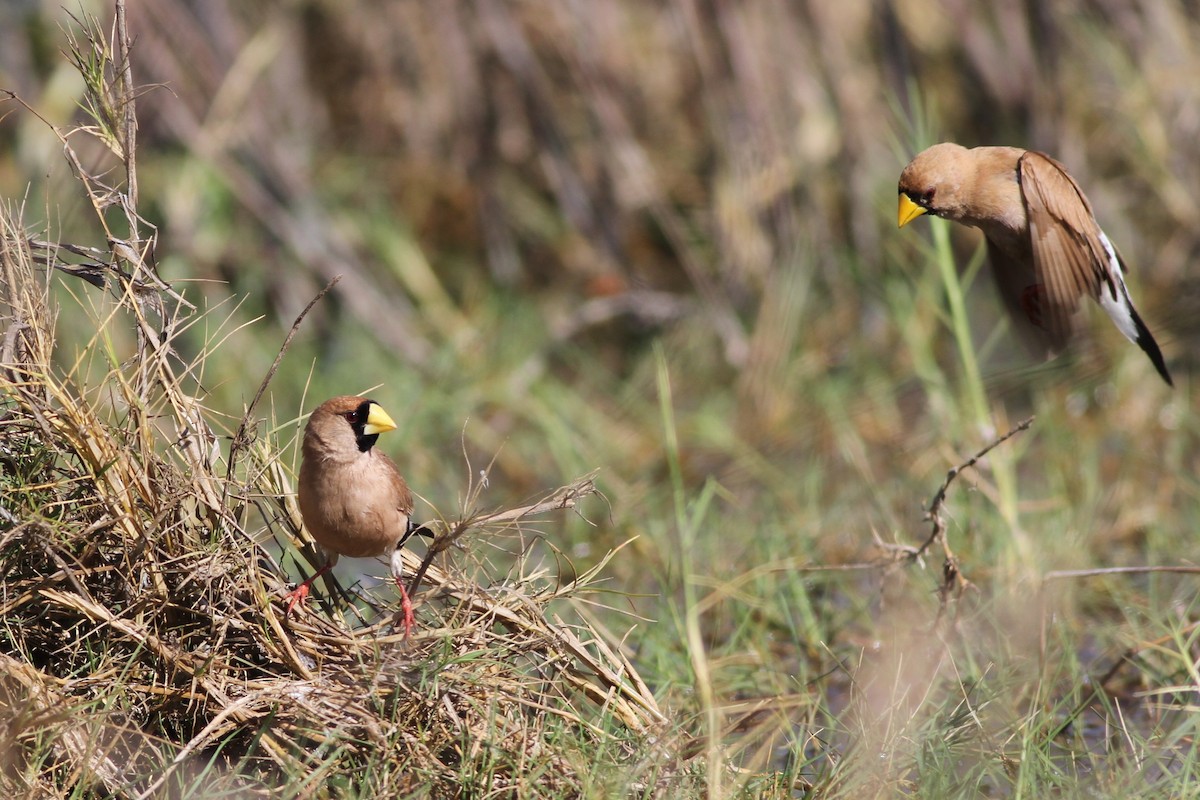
point(356, 508)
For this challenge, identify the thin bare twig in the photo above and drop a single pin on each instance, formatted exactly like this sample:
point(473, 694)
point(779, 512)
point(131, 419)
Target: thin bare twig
point(128, 109)
point(1090, 573)
point(566, 497)
point(934, 514)
point(938, 503)
point(953, 581)
point(239, 438)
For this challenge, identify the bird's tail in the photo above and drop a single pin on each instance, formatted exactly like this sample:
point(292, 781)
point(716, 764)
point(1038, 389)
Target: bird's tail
point(416, 530)
point(1145, 340)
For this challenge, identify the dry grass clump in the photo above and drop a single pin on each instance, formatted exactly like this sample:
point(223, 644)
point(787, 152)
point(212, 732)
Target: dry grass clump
point(143, 649)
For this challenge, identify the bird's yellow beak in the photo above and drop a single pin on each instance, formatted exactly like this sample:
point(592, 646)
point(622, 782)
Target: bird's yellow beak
point(378, 421)
point(908, 211)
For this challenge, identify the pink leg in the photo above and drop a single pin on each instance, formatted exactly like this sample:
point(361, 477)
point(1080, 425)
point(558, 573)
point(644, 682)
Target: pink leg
point(296, 596)
point(405, 607)
point(405, 601)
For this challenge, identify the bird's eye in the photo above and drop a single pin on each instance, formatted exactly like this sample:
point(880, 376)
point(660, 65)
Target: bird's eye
point(351, 417)
point(927, 197)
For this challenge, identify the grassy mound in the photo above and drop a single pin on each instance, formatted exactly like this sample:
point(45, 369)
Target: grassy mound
point(145, 651)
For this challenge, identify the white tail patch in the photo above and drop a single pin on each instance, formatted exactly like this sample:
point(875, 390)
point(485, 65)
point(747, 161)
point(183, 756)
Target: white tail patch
point(1114, 297)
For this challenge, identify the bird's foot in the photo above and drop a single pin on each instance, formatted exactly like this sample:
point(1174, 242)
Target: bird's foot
point(296, 597)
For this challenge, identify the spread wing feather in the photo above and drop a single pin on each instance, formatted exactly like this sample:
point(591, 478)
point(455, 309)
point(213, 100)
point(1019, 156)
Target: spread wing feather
point(1069, 258)
point(1072, 257)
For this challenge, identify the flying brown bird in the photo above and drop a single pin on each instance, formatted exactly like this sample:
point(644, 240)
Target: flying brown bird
point(1046, 249)
point(353, 499)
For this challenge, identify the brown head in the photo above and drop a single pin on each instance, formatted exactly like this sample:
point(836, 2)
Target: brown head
point(343, 427)
point(975, 187)
point(933, 183)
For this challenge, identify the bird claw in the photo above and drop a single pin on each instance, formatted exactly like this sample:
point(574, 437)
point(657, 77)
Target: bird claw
point(296, 597)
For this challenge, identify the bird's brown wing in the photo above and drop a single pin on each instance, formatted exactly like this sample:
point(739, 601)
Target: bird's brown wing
point(1069, 257)
point(399, 487)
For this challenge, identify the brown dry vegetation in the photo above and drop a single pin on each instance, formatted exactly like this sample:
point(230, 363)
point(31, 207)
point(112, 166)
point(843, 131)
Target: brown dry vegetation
point(651, 238)
point(140, 602)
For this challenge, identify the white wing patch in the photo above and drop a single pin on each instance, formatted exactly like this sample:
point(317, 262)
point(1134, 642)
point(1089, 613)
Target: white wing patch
point(1114, 298)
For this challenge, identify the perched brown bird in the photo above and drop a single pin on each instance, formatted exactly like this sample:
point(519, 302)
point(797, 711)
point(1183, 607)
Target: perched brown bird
point(1044, 244)
point(352, 498)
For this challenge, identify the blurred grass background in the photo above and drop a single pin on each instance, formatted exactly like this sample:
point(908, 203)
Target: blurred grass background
point(548, 213)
